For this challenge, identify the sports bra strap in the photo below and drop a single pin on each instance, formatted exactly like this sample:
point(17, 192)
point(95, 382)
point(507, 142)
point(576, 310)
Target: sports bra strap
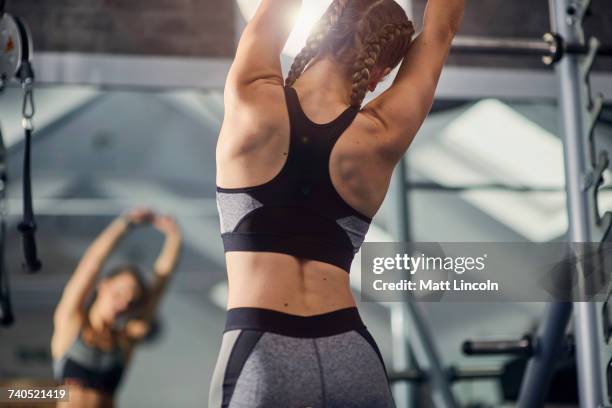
point(299, 117)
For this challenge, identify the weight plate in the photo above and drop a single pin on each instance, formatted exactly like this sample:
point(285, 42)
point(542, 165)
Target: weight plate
point(11, 47)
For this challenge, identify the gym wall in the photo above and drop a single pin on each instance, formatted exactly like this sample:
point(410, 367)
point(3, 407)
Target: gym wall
point(182, 28)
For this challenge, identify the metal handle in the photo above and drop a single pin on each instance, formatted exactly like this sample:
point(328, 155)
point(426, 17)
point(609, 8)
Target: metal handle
point(523, 346)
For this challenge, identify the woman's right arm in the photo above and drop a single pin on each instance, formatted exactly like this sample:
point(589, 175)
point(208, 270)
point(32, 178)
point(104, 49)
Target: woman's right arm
point(404, 106)
point(84, 277)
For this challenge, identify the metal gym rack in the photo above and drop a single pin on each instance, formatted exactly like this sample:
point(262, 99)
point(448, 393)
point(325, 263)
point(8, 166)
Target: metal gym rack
point(585, 163)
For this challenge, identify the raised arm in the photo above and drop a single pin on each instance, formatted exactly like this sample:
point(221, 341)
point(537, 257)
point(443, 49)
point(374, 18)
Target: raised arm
point(404, 106)
point(84, 277)
point(164, 265)
point(261, 44)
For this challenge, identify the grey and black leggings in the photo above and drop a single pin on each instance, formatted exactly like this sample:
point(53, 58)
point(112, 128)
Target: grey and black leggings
point(273, 359)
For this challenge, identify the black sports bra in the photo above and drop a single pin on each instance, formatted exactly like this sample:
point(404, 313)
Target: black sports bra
point(298, 212)
point(90, 366)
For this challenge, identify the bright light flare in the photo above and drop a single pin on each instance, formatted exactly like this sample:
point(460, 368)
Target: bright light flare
point(303, 21)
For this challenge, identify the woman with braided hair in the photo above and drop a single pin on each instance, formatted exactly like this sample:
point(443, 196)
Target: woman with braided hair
point(302, 167)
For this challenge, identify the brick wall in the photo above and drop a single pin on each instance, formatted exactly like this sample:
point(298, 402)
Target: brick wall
point(141, 27)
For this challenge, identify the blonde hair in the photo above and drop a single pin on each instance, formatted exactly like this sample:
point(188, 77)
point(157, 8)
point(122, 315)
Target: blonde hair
point(362, 35)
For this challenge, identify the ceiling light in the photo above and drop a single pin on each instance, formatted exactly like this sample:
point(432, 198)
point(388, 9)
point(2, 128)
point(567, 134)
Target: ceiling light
point(492, 143)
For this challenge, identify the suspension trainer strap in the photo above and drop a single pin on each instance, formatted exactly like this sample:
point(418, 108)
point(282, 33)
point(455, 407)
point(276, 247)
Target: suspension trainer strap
point(27, 227)
point(6, 311)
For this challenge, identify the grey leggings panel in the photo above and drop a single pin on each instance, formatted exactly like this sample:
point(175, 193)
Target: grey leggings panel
point(258, 369)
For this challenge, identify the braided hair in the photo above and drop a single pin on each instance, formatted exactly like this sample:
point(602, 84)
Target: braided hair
point(369, 58)
point(361, 34)
point(315, 40)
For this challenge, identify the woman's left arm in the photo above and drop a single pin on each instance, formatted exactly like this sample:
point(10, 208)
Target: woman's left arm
point(261, 43)
point(163, 270)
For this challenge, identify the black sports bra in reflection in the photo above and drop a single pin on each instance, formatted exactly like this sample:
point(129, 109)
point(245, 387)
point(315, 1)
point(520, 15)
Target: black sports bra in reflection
point(298, 212)
point(90, 367)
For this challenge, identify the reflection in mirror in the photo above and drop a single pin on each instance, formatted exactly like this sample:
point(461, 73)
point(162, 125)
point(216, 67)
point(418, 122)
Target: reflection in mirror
point(121, 180)
point(92, 344)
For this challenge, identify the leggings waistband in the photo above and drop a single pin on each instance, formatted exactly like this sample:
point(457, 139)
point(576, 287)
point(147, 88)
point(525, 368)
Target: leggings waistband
point(323, 325)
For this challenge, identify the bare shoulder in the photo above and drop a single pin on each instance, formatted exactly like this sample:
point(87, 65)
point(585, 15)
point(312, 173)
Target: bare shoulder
point(253, 113)
point(253, 135)
point(370, 120)
point(359, 169)
point(262, 98)
point(372, 129)
point(365, 142)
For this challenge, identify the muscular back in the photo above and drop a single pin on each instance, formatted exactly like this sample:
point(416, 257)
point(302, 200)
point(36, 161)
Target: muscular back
point(254, 143)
